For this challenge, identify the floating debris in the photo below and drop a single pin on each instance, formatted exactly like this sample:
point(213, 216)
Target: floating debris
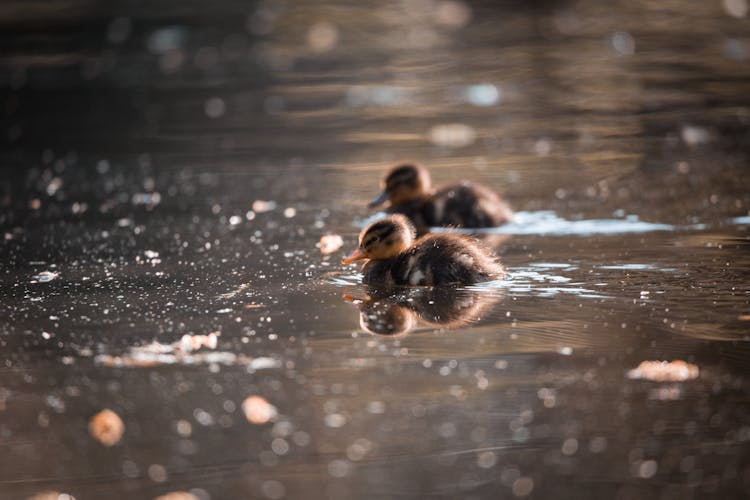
point(452, 14)
point(330, 243)
point(232, 294)
point(452, 135)
point(54, 186)
point(190, 343)
point(45, 277)
point(261, 206)
point(322, 36)
point(106, 427)
point(253, 305)
point(695, 136)
point(215, 107)
point(183, 352)
point(258, 411)
point(664, 371)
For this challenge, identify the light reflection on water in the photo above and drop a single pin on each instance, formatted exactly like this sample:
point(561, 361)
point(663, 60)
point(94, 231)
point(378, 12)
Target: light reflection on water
point(171, 171)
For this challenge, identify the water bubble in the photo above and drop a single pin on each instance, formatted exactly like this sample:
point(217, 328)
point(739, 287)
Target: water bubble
point(273, 489)
point(694, 136)
point(569, 447)
point(214, 107)
point(335, 420)
point(167, 38)
point(623, 43)
point(322, 36)
point(736, 49)
point(487, 459)
point(484, 94)
point(647, 469)
point(523, 486)
point(735, 8)
point(339, 468)
point(157, 473)
point(452, 14)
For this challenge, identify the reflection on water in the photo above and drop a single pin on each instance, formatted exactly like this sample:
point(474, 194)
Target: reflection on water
point(397, 312)
point(168, 171)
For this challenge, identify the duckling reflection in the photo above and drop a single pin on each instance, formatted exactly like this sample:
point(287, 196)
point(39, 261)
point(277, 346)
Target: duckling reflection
point(396, 314)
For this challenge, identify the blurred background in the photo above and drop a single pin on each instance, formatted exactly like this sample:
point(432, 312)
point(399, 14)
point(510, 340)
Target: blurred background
point(167, 169)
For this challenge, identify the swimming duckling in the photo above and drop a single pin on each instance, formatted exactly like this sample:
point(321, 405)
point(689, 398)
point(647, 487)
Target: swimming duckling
point(408, 189)
point(395, 258)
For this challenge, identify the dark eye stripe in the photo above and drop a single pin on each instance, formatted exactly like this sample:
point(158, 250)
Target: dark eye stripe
point(405, 178)
point(378, 232)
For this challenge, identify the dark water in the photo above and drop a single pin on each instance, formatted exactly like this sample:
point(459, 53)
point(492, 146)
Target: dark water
point(137, 138)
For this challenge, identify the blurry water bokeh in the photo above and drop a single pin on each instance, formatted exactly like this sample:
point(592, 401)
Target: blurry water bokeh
point(168, 170)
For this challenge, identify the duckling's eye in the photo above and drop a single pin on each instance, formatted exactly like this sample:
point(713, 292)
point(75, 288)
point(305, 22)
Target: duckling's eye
point(371, 241)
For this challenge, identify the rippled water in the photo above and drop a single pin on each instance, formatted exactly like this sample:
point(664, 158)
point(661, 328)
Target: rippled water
point(168, 172)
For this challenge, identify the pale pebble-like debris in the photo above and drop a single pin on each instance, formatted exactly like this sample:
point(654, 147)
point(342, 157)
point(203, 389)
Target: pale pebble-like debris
point(260, 206)
point(233, 293)
point(664, 371)
point(258, 410)
point(46, 276)
point(694, 135)
point(330, 243)
point(190, 343)
point(106, 427)
point(177, 495)
point(452, 135)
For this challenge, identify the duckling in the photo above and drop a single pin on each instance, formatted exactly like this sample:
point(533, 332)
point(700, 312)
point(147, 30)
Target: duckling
point(395, 258)
point(408, 189)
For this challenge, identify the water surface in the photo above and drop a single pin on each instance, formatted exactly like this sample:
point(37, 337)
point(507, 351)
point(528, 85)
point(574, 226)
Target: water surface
point(168, 172)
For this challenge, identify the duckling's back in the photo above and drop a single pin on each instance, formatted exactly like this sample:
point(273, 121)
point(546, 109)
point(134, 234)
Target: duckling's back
point(466, 205)
point(437, 259)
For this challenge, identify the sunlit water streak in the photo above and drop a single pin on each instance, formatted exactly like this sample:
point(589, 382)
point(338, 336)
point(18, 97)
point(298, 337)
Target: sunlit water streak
point(548, 223)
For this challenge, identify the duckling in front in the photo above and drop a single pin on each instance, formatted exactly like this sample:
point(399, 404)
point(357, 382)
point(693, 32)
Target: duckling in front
point(396, 258)
point(407, 188)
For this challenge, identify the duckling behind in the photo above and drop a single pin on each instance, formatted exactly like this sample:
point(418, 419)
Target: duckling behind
point(408, 189)
point(395, 258)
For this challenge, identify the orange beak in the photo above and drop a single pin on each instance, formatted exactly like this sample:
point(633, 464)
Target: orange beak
point(356, 255)
point(352, 299)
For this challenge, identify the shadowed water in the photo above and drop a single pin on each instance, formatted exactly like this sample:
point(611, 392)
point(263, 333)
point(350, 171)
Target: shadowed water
point(167, 172)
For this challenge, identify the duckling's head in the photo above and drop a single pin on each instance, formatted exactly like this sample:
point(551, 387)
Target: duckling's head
point(384, 239)
point(404, 182)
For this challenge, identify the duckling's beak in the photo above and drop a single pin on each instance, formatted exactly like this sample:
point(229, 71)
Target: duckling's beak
point(356, 255)
point(353, 300)
point(379, 200)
